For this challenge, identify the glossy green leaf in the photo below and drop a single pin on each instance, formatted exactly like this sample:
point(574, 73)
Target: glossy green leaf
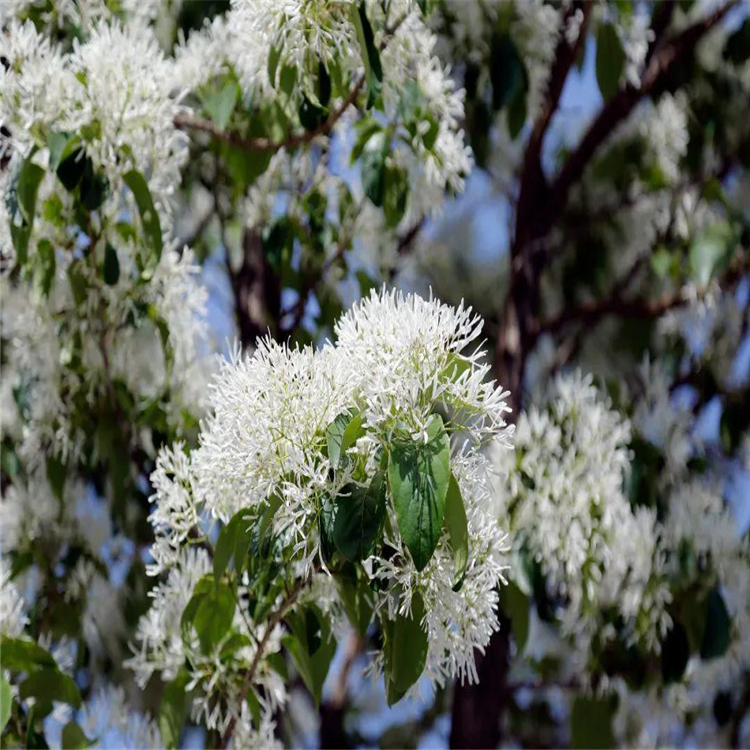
point(213, 616)
point(71, 163)
point(5, 702)
point(342, 434)
point(49, 684)
point(675, 652)
point(56, 143)
point(356, 597)
point(360, 513)
point(405, 650)
point(56, 473)
point(273, 503)
point(311, 114)
point(219, 104)
point(711, 250)
point(419, 474)
point(369, 51)
point(312, 667)
point(173, 709)
point(149, 218)
point(23, 656)
point(46, 264)
point(515, 604)
point(717, 632)
point(507, 72)
point(74, 738)
point(29, 177)
point(458, 531)
point(111, 268)
point(591, 722)
point(610, 60)
point(455, 367)
point(374, 157)
point(395, 195)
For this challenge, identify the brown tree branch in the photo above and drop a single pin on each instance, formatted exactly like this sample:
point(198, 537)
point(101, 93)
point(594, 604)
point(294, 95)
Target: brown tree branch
point(188, 122)
point(589, 313)
point(619, 106)
point(273, 621)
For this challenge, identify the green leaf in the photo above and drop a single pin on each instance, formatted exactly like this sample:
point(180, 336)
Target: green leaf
point(356, 597)
point(326, 522)
point(23, 656)
point(359, 518)
point(311, 115)
point(49, 684)
point(406, 650)
point(219, 104)
point(458, 531)
point(419, 473)
point(591, 722)
point(78, 283)
point(610, 60)
point(213, 616)
point(370, 54)
point(737, 48)
point(56, 143)
point(174, 706)
point(5, 702)
point(711, 250)
point(71, 163)
point(675, 652)
point(149, 218)
point(273, 504)
point(373, 167)
point(44, 273)
point(365, 129)
point(395, 195)
point(456, 366)
point(225, 545)
point(111, 270)
point(73, 737)
point(27, 187)
point(56, 476)
point(254, 705)
point(716, 636)
point(342, 434)
point(94, 187)
point(312, 667)
point(515, 604)
point(517, 113)
point(507, 72)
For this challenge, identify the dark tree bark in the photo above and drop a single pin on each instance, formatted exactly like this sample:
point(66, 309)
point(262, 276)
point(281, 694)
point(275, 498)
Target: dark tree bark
point(257, 291)
point(477, 709)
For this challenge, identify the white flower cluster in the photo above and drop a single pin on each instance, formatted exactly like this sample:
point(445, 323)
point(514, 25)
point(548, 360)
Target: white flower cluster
point(113, 92)
point(566, 508)
point(300, 34)
point(397, 360)
point(13, 617)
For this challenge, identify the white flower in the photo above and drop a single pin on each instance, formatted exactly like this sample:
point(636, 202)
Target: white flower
point(13, 617)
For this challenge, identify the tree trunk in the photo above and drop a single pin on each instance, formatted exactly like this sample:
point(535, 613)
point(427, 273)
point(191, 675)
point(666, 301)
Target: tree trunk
point(478, 709)
point(257, 291)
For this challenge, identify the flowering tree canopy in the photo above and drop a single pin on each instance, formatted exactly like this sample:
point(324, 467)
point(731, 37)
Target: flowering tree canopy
point(530, 522)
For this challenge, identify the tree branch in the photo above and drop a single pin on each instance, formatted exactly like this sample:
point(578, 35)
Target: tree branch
point(624, 101)
point(275, 619)
point(591, 312)
point(188, 122)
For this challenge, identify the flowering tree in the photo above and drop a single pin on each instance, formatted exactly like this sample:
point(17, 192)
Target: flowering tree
point(187, 538)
